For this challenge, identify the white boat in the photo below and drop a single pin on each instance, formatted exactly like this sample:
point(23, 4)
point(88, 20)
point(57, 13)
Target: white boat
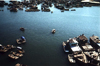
point(74, 45)
point(53, 30)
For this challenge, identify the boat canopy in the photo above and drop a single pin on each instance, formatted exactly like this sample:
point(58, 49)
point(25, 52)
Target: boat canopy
point(73, 44)
point(0, 45)
point(77, 48)
point(22, 37)
point(19, 47)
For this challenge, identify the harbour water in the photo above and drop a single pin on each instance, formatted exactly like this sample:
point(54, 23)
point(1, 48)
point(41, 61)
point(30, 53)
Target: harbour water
point(42, 47)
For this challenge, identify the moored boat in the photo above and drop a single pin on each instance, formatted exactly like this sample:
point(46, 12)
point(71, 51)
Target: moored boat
point(13, 10)
point(21, 40)
point(84, 44)
point(18, 64)
point(73, 10)
point(95, 41)
point(17, 54)
point(81, 59)
point(3, 48)
point(73, 44)
point(12, 56)
point(20, 50)
point(65, 46)
point(71, 58)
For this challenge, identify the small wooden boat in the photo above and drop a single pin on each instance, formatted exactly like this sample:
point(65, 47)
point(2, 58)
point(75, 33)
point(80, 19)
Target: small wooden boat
point(12, 56)
point(71, 58)
point(17, 54)
point(10, 47)
point(18, 64)
point(20, 50)
point(51, 11)
point(22, 29)
point(62, 10)
point(73, 10)
point(53, 31)
point(3, 48)
point(65, 46)
point(13, 9)
point(21, 40)
point(81, 59)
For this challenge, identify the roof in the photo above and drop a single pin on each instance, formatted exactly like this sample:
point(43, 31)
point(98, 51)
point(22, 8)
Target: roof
point(94, 38)
point(82, 37)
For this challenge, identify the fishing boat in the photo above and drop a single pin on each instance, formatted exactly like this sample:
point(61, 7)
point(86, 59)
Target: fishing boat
point(2, 48)
point(18, 64)
point(17, 54)
point(13, 10)
point(65, 46)
point(84, 44)
point(53, 31)
point(8, 47)
point(95, 41)
point(22, 29)
point(73, 10)
point(12, 56)
point(21, 40)
point(20, 50)
point(73, 44)
point(81, 59)
point(71, 58)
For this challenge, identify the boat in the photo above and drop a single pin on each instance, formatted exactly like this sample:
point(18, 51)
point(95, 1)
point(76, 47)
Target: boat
point(62, 10)
point(17, 54)
point(8, 47)
point(71, 58)
point(65, 46)
point(21, 40)
point(20, 50)
point(13, 9)
point(95, 41)
point(53, 31)
point(22, 29)
point(73, 44)
point(84, 44)
point(93, 55)
point(51, 11)
point(2, 48)
point(73, 10)
point(12, 56)
point(18, 64)
point(81, 59)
